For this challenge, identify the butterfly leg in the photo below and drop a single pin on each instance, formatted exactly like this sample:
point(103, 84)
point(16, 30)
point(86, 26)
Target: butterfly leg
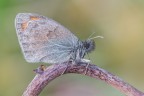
point(88, 62)
point(67, 64)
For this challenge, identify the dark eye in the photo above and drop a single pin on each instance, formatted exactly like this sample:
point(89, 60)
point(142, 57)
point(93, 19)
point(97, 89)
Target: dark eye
point(87, 45)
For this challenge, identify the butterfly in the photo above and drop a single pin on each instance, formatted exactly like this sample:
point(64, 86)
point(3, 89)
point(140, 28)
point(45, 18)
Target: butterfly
point(45, 40)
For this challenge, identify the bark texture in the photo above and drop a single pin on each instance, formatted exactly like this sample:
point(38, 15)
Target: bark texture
point(44, 76)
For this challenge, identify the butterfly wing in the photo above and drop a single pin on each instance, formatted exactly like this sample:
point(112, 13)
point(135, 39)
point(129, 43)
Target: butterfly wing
point(43, 39)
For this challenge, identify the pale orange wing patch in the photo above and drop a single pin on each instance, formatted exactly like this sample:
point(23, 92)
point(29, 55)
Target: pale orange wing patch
point(25, 24)
point(34, 18)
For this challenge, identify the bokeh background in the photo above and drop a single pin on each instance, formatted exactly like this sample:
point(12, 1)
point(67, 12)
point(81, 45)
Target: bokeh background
point(121, 52)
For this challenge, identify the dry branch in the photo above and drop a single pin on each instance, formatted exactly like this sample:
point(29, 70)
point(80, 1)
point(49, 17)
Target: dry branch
point(53, 71)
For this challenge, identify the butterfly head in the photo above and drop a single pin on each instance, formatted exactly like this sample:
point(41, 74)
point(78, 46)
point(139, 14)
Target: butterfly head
point(89, 45)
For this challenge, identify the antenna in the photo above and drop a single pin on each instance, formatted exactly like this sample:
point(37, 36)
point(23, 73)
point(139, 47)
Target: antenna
point(91, 35)
point(96, 37)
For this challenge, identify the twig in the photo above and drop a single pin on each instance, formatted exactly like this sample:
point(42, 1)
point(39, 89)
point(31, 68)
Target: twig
point(53, 71)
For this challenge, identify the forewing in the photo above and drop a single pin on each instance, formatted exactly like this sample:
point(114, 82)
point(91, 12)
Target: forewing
point(43, 39)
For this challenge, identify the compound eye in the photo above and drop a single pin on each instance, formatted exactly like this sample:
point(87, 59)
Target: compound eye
point(89, 45)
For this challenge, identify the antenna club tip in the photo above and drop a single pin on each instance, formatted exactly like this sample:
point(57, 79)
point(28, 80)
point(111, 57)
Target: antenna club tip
point(96, 37)
point(99, 37)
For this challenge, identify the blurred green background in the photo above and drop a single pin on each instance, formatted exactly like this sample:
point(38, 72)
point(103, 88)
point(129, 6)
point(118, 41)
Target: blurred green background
point(121, 52)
